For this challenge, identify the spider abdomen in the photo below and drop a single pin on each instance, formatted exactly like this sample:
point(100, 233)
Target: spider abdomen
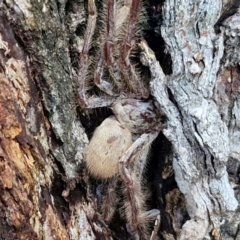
point(109, 143)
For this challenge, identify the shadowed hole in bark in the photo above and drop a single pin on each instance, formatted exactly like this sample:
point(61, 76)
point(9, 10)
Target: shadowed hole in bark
point(59, 202)
point(59, 166)
point(230, 9)
point(78, 194)
point(153, 35)
point(91, 119)
point(160, 176)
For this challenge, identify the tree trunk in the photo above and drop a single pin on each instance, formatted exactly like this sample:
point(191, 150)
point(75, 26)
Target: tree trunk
point(193, 171)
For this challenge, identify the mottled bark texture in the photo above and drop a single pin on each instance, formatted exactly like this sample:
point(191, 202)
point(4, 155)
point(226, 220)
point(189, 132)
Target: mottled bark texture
point(45, 191)
point(210, 133)
point(199, 131)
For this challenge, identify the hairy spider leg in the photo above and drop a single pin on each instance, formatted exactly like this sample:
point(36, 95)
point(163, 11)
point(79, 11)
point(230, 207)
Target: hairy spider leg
point(103, 85)
point(107, 57)
point(134, 214)
point(129, 73)
point(112, 63)
point(92, 102)
point(109, 200)
point(84, 58)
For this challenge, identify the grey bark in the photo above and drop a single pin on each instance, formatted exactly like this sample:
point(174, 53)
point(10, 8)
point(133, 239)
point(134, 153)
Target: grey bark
point(199, 135)
point(45, 189)
point(204, 141)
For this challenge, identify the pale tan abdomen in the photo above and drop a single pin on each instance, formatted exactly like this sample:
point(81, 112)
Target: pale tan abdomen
point(109, 143)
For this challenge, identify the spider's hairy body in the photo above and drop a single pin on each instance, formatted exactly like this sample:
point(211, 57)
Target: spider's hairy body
point(115, 135)
point(111, 140)
point(119, 146)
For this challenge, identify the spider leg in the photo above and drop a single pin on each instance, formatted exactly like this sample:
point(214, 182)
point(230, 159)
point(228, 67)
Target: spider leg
point(103, 85)
point(94, 101)
point(107, 57)
point(109, 200)
point(129, 72)
point(111, 61)
point(135, 211)
point(84, 58)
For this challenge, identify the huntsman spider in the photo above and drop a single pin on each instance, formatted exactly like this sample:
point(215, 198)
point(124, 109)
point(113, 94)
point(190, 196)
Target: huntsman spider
point(119, 146)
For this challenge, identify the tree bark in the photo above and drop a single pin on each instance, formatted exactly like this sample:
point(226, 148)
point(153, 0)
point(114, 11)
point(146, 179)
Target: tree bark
point(45, 189)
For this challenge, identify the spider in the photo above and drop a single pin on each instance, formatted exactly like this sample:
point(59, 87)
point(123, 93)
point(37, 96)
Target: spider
point(119, 146)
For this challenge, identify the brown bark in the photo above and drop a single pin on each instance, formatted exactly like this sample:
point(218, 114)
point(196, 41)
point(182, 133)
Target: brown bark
point(45, 190)
point(39, 126)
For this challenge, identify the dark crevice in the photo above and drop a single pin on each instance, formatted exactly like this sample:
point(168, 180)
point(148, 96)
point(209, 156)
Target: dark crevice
point(58, 186)
point(238, 174)
point(174, 101)
point(59, 167)
point(153, 36)
point(159, 162)
point(229, 10)
point(78, 194)
point(212, 161)
point(91, 119)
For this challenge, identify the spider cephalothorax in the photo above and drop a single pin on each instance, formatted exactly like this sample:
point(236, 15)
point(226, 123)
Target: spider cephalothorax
point(119, 146)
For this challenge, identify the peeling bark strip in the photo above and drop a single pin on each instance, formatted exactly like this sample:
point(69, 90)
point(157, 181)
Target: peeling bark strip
point(199, 136)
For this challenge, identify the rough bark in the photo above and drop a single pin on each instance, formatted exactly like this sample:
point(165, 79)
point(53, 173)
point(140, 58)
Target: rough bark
point(45, 191)
point(198, 133)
